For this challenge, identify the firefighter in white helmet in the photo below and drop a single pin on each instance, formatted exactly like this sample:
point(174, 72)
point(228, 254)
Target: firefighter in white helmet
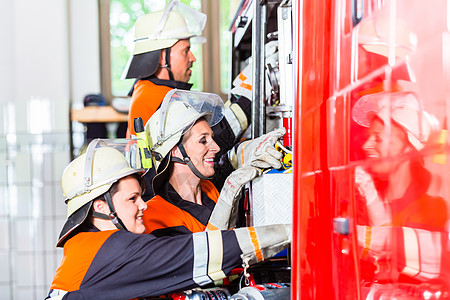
point(105, 253)
point(161, 60)
point(183, 144)
point(401, 231)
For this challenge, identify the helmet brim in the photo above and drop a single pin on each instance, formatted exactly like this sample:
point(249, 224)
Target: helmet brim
point(142, 65)
point(73, 222)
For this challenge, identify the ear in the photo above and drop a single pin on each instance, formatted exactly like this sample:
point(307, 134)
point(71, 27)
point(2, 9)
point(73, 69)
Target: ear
point(162, 58)
point(176, 152)
point(100, 206)
point(162, 73)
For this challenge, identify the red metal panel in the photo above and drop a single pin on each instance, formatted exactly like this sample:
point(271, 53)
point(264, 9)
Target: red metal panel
point(312, 225)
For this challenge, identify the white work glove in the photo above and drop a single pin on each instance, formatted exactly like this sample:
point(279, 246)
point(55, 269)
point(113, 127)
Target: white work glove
point(259, 152)
point(262, 242)
point(223, 216)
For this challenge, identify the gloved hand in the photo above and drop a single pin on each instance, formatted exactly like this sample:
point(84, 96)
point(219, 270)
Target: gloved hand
point(259, 152)
point(224, 214)
point(262, 242)
point(378, 212)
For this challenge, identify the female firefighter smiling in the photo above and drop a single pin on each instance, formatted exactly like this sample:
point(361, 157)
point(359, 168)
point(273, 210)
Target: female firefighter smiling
point(106, 256)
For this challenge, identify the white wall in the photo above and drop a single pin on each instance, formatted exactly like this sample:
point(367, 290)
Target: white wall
point(49, 57)
point(84, 48)
point(6, 51)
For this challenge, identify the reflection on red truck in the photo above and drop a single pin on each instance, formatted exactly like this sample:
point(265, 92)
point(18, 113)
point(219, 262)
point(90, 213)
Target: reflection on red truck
point(371, 184)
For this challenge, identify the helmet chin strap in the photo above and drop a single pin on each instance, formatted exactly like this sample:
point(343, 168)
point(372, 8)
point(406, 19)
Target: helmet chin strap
point(167, 65)
point(187, 161)
point(112, 215)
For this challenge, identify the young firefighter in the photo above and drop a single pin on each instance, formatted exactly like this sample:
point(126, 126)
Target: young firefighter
point(106, 256)
point(183, 144)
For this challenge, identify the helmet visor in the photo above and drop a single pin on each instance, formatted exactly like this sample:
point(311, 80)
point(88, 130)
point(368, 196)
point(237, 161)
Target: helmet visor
point(194, 105)
point(195, 22)
point(128, 147)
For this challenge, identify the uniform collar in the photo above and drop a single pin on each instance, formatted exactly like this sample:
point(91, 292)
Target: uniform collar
point(199, 212)
point(170, 83)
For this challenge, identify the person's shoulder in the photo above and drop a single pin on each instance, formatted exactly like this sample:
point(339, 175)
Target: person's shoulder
point(157, 201)
point(429, 199)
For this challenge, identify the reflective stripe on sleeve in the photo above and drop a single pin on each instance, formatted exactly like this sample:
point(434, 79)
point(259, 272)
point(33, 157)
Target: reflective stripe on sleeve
point(248, 241)
point(255, 243)
point(367, 241)
point(240, 115)
point(233, 121)
point(200, 258)
point(423, 252)
point(412, 257)
point(215, 245)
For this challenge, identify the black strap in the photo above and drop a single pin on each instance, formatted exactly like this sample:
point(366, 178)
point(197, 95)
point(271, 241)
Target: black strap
point(168, 64)
point(113, 215)
point(100, 215)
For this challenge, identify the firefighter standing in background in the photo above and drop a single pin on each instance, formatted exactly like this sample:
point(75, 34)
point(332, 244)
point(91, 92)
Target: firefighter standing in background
point(185, 151)
point(161, 60)
point(106, 256)
point(402, 234)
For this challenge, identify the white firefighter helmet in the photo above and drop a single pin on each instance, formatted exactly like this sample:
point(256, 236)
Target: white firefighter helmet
point(92, 174)
point(178, 113)
point(379, 34)
point(160, 30)
point(404, 109)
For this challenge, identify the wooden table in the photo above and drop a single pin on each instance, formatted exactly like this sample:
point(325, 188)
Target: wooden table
point(97, 114)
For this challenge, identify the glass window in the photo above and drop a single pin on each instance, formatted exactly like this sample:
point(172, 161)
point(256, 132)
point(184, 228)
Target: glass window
point(227, 11)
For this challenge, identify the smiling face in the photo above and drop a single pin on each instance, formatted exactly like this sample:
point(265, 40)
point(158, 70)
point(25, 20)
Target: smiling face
point(181, 60)
point(201, 147)
point(381, 143)
point(129, 204)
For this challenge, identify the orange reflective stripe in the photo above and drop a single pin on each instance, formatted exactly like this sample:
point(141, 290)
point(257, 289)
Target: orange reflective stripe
point(255, 243)
point(211, 227)
point(242, 77)
point(242, 152)
point(246, 86)
point(367, 241)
